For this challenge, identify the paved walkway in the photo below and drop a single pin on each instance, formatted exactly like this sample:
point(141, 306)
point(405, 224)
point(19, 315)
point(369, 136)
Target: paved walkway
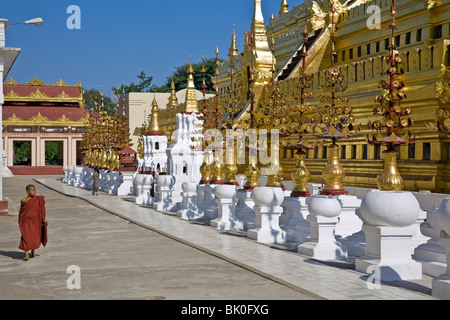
point(327, 280)
point(117, 259)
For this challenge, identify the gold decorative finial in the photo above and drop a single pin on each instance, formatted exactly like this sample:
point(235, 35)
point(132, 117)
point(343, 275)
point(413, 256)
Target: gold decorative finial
point(154, 128)
point(233, 52)
point(191, 100)
point(284, 7)
point(173, 100)
point(190, 69)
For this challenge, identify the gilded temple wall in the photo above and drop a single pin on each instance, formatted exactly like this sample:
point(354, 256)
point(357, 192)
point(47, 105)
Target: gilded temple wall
point(423, 39)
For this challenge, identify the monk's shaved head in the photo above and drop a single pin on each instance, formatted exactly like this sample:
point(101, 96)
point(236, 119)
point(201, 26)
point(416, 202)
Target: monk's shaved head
point(29, 187)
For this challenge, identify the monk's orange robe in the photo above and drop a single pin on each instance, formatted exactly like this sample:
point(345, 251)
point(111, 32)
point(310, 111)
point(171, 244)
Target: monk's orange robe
point(31, 224)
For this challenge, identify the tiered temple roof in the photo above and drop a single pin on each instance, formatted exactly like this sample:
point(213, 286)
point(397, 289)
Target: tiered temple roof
point(39, 103)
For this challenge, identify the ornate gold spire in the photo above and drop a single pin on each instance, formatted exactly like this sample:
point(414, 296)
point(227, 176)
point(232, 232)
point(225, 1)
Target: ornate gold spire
point(259, 38)
point(173, 100)
point(233, 52)
point(284, 7)
point(258, 25)
point(154, 129)
point(191, 100)
point(257, 51)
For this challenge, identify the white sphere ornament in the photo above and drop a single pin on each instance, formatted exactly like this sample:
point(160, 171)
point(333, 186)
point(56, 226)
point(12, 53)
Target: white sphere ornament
point(225, 191)
point(189, 187)
point(142, 179)
point(268, 196)
point(444, 215)
point(324, 206)
point(78, 170)
point(390, 208)
point(139, 180)
point(165, 180)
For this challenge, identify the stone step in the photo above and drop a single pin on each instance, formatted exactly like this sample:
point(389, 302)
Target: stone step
point(43, 171)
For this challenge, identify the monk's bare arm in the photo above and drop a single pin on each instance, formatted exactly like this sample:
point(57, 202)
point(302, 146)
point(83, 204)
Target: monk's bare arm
point(22, 202)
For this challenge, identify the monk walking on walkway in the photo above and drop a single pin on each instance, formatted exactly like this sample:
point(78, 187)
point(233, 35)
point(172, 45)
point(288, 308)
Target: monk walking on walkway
point(32, 222)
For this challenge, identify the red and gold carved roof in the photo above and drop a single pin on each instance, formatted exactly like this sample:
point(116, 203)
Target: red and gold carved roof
point(36, 91)
point(38, 103)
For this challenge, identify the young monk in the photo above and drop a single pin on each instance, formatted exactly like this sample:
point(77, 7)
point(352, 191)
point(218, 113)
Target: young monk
point(32, 222)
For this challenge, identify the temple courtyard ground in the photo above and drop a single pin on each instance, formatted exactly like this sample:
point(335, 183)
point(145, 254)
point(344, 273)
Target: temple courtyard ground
point(107, 247)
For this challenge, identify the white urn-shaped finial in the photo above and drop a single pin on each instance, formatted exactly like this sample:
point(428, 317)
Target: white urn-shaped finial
point(390, 208)
point(189, 187)
point(324, 206)
point(165, 180)
point(268, 196)
point(139, 180)
point(224, 191)
point(78, 170)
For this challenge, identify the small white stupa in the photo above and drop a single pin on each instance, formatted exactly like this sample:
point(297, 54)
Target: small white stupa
point(155, 143)
point(185, 155)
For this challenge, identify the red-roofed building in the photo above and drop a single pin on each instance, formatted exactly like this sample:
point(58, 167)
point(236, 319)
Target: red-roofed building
point(42, 126)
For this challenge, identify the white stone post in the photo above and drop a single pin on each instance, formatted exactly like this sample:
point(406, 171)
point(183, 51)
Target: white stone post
point(143, 185)
point(164, 200)
point(441, 285)
point(390, 217)
point(349, 223)
point(267, 210)
point(293, 220)
point(244, 208)
point(226, 201)
point(66, 174)
point(356, 243)
point(148, 200)
point(127, 183)
point(77, 171)
point(72, 179)
point(419, 238)
point(431, 254)
point(206, 201)
point(3, 23)
point(89, 179)
point(323, 217)
point(116, 180)
point(189, 209)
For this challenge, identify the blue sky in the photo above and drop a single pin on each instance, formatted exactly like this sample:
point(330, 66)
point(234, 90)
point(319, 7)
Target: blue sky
point(118, 39)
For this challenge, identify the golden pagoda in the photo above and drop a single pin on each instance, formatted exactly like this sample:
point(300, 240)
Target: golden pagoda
point(422, 39)
point(173, 100)
point(191, 100)
point(154, 128)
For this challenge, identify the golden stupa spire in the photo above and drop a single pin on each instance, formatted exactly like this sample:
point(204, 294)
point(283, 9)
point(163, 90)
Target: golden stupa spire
point(154, 129)
point(233, 52)
point(191, 100)
point(173, 100)
point(259, 34)
point(284, 7)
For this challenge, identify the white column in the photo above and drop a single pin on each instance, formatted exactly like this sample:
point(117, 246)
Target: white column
point(323, 217)
point(226, 201)
point(267, 209)
point(3, 23)
point(293, 219)
point(189, 210)
point(390, 217)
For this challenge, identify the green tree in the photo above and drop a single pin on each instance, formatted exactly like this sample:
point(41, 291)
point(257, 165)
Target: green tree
point(51, 153)
point(144, 85)
point(181, 74)
point(22, 153)
point(93, 99)
point(179, 77)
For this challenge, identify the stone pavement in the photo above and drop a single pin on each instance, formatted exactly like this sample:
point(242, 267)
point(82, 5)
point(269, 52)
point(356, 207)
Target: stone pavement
point(117, 259)
point(312, 278)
